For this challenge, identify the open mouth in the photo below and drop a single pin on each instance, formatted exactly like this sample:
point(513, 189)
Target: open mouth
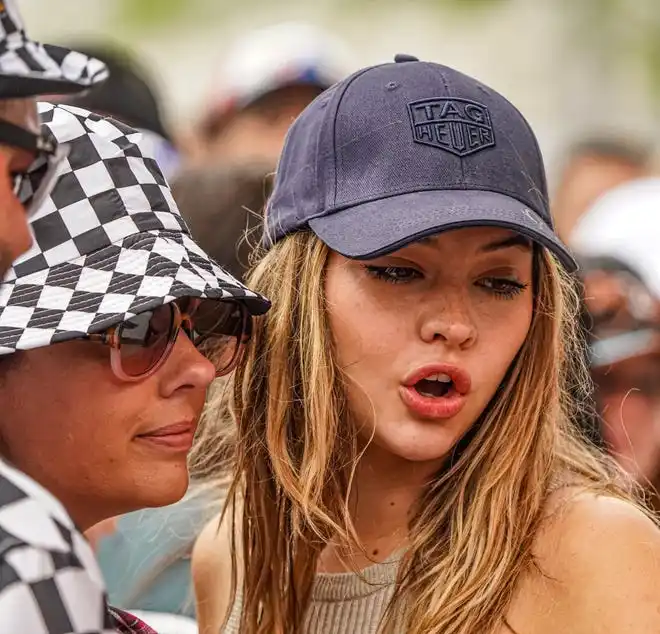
point(435, 386)
point(436, 392)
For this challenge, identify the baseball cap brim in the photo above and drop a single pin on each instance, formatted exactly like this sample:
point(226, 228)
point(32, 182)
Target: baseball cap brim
point(379, 227)
point(29, 69)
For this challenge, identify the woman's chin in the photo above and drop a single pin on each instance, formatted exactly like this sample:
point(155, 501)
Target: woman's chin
point(420, 454)
point(422, 448)
point(166, 487)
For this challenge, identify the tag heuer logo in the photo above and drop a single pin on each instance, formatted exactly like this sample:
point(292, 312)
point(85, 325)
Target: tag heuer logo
point(459, 126)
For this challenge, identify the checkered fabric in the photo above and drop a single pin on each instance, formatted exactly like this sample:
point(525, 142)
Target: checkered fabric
point(29, 68)
point(109, 243)
point(50, 582)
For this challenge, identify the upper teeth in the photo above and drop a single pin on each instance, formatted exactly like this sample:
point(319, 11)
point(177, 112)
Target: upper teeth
point(443, 378)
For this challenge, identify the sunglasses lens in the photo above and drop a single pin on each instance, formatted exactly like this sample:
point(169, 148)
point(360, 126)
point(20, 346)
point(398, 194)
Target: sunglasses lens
point(145, 339)
point(218, 329)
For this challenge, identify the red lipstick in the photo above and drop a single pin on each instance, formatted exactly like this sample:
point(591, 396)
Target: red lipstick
point(436, 407)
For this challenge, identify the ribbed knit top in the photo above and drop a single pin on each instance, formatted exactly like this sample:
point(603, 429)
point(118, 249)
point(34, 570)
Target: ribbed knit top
point(343, 603)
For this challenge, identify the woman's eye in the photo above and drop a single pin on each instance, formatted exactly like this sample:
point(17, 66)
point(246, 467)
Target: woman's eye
point(502, 287)
point(393, 274)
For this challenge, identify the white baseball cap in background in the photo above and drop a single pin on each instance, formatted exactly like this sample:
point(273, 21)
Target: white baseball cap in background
point(285, 54)
point(624, 224)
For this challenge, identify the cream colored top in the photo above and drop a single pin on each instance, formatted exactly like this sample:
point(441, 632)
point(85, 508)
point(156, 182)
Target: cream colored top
point(343, 603)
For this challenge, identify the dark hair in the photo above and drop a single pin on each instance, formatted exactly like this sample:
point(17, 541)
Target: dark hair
point(587, 418)
point(223, 208)
point(269, 105)
point(128, 94)
point(632, 152)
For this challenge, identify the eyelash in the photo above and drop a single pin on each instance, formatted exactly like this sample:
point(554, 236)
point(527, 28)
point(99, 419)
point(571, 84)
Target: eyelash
point(386, 273)
point(500, 287)
point(508, 289)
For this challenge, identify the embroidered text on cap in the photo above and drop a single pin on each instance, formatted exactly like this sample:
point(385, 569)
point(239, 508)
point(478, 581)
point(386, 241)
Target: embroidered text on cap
point(460, 126)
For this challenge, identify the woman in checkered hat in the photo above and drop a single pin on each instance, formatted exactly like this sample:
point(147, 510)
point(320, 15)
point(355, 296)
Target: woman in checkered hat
point(112, 328)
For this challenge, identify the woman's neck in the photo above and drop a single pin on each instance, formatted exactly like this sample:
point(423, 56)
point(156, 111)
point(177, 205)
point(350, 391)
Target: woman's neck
point(384, 491)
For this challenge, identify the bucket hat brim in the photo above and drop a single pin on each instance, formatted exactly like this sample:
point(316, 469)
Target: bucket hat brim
point(94, 292)
point(28, 69)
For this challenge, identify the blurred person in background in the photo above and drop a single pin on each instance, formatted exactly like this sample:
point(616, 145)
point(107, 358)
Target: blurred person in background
point(112, 327)
point(129, 95)
point(264, 83)
point(594, 166)
point(223, 206)
point(617, 240)
point(49, 581)
point(145, 555)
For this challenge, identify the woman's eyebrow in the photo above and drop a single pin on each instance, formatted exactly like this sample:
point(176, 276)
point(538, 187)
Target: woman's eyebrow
point(512, 241)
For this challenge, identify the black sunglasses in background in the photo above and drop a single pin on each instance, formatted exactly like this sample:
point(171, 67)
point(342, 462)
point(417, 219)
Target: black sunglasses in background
point(34, 184)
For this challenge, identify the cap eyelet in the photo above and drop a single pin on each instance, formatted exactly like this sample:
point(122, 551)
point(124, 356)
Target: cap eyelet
point(391, 85)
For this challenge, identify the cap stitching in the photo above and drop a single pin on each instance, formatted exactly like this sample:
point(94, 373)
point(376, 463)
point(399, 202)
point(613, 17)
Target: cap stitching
point(340, 98)
point(450, 93)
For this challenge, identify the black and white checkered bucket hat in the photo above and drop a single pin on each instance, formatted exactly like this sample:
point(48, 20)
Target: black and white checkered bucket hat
point(109, 242)
point(28, 68)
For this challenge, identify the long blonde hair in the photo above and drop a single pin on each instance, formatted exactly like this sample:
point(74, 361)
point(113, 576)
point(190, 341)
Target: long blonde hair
point(472, 532)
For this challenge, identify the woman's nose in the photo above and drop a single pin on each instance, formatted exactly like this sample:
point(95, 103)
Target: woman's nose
point(186, 367)
point(452, 323)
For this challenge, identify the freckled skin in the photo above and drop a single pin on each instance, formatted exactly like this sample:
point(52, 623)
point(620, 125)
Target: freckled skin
point(444, 311)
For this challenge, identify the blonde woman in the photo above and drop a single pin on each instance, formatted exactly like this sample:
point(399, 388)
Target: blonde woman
point(407, 457)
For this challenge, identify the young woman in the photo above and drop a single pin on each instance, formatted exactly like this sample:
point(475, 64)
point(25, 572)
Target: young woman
point(112, 326)
point(406, 454)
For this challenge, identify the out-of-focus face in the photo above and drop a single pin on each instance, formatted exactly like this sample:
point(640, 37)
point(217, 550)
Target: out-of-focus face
point(257, 132)
point(15, 237)
point(585, 180)
point(102, 446)
point(624, 315)
point(426, 335)
point(628, 396)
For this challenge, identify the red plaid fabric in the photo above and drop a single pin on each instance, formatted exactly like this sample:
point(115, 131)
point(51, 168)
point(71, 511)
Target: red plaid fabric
point(125, 623)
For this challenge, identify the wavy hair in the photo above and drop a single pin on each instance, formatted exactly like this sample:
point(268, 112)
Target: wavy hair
point(472, 531)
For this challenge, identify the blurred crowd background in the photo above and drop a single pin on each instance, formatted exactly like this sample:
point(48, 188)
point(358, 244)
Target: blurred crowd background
point(573, 68)
point(215, 85)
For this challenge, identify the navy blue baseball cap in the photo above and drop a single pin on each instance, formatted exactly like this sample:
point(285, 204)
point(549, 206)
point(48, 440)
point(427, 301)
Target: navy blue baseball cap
point(403, 150)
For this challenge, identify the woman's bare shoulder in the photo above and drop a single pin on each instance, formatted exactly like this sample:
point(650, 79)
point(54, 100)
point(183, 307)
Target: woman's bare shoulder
point(211, 546)
point(597, 569)
point(212, 574)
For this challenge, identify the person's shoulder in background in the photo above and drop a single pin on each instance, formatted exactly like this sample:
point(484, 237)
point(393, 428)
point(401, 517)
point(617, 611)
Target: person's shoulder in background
point(146, 558)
